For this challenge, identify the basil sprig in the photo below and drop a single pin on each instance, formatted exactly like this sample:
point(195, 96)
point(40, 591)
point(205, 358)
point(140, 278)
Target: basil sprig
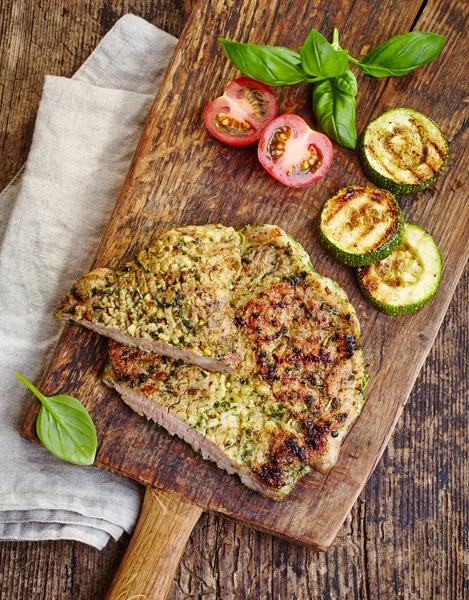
point(65, 427)
point(401, 54)
point(326, 66)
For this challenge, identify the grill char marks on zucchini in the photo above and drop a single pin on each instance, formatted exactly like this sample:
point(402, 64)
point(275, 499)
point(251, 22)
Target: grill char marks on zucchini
point(405, 280)
point(361, 225)
point(403, 151)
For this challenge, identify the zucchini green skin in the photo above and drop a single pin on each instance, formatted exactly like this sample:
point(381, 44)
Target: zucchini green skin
point(354, 259)
point(388, 183)
point(369, 282)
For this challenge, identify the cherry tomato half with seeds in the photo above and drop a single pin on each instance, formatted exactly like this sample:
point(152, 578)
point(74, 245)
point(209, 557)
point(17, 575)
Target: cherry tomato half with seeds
point(238, 117)
point(293, 153)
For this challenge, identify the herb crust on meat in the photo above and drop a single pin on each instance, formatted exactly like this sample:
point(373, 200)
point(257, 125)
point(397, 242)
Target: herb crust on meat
point(297, 391)
point(173, 299)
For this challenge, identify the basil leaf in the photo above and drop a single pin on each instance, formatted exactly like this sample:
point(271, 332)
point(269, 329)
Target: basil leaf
point(272, 65)
point(402, 54)
point(320, 59)
point(65, 427)
point(347, 83)
point(335, 111)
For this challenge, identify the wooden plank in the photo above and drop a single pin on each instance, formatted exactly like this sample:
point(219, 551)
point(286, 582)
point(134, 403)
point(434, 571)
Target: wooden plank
point(176, 182)
point(406, 535)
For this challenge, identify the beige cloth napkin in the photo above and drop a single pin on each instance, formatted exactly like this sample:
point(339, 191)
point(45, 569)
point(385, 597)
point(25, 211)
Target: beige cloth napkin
point(53, 216)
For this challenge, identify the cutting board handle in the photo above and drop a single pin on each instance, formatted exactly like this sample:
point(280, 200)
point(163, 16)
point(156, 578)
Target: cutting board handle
point(152, 558)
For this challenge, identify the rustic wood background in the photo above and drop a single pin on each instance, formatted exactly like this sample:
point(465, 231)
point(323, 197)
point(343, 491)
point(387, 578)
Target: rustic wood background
point(407, 535)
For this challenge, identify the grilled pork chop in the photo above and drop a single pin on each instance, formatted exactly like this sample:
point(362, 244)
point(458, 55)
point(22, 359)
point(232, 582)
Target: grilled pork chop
point(296, 394)
point(174, 299)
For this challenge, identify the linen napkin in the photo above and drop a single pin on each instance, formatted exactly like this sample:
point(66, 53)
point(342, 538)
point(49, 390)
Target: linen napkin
point(53, 216)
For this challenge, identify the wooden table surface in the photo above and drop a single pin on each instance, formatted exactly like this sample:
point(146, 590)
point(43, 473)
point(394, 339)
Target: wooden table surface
point(407, 536)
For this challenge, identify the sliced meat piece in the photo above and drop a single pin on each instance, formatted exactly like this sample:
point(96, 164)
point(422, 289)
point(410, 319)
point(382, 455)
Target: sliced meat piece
point(174, 299)
point(296, 394)
point(223, 417)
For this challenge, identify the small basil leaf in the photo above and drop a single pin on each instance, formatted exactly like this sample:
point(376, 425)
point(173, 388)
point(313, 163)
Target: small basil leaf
point(320, 59)
point(272, 65)
point(335, 112)
point(402, 54)
point(347, 83)
point(65, 427)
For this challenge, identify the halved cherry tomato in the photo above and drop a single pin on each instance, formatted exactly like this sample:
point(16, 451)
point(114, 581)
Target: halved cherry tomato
point(293, 153)
point(238, 117)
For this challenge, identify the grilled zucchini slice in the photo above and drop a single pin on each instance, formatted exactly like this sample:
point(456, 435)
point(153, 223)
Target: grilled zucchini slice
point(361, 225)
point(407, 279)
point(403, 151)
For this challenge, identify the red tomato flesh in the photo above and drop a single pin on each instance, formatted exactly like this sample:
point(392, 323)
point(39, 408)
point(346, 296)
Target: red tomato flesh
point(293, 153)
point(238, 117)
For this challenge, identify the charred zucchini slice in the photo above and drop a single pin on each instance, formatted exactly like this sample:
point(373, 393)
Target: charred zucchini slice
point(403, 151)
point(407, 279)
point(361, 225)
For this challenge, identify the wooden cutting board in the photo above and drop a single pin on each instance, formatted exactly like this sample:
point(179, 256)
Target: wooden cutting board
point(180, 175)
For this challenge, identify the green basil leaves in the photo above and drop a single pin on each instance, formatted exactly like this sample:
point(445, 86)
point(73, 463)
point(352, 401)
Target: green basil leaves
point(65, 427)
point(326, 66)
point(402, 54)
point(334, 106)
point(272, 65)
point(320, 59)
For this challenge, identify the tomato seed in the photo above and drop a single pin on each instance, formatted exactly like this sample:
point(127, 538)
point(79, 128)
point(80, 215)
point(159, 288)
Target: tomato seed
point(256, 99)
point(229, 123)
point(276, 145)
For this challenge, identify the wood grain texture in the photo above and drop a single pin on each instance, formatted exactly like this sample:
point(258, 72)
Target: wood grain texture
point(55, 38)
point(407, 536)
point(158, 542)
point(180, 175)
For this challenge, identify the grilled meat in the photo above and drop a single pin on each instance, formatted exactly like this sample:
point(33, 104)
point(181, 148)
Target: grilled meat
point(298, 390)
point(174, 299)
point(268, 255)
